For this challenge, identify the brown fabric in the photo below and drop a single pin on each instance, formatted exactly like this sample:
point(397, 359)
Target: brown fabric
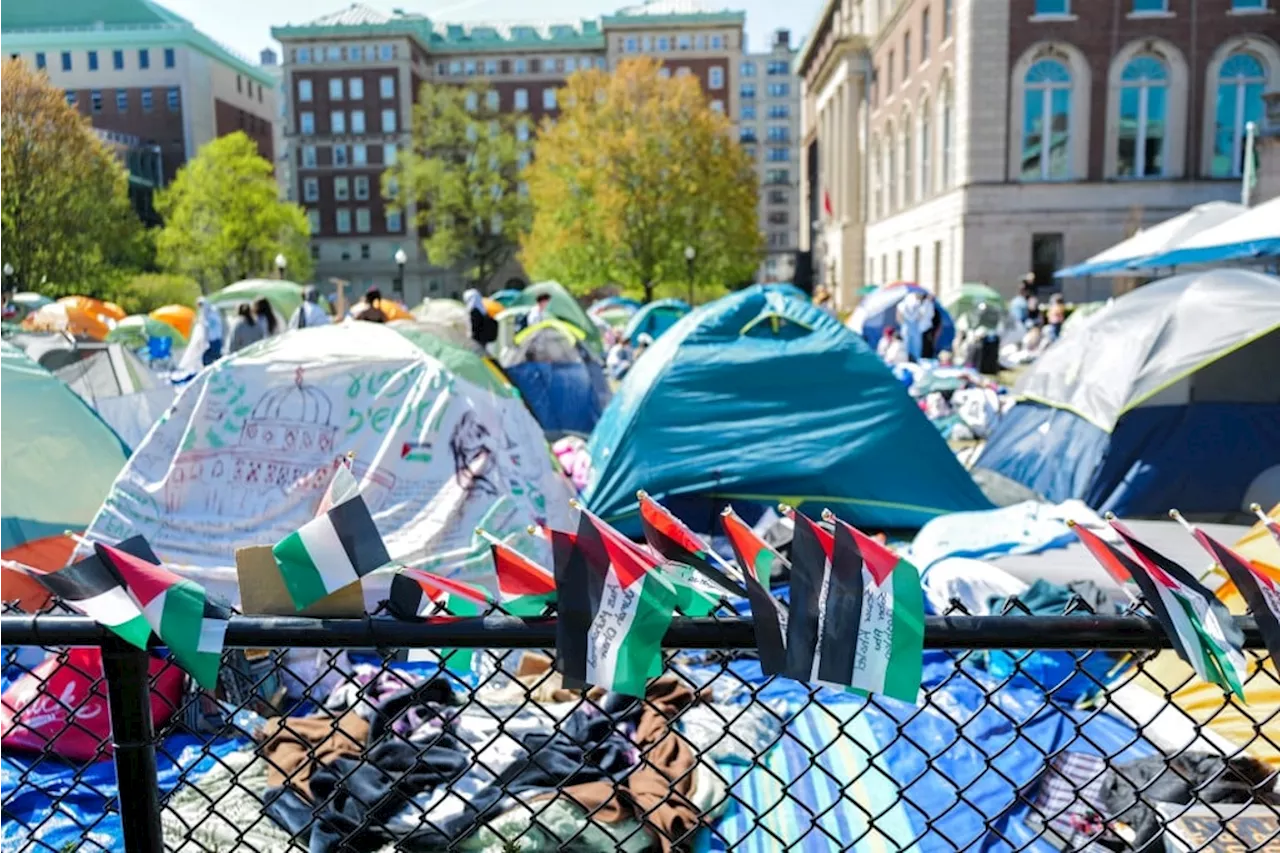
point(659, 792)
point(295, 746)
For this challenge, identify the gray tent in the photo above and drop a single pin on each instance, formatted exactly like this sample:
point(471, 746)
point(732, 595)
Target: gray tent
point(121, 388)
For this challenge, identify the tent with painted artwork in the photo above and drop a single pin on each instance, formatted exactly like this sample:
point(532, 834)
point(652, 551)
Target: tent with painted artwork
point(59, 460)
point(758, 398)
point(442, 445)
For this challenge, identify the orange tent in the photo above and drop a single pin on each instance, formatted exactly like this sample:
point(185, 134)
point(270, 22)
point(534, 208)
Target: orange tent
point(62, 317)
point(394, 310)
point(179, 316)
point(97, 307)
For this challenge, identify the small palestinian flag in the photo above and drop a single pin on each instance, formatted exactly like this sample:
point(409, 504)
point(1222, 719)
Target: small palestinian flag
point(669, 536)
point(696, 596)
point(769, 615)
point(1260, 590)
point(343, 486)
point(1268, 522)
point(525, 588)
point(419, 594)
point(823, 603)
point(613, 611)
point(179, 611)
point(93, 588)
point(887, 655)
point(330, 552)
point(1185, 609)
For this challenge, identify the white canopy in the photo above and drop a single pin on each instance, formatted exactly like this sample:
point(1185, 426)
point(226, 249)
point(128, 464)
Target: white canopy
point(1156, 240)
point(1254, 233)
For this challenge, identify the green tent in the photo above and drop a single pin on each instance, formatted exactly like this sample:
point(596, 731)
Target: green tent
point(134, 331)
point(284, 296)
point(564, 306)
point(966, 299)
point(59, 457)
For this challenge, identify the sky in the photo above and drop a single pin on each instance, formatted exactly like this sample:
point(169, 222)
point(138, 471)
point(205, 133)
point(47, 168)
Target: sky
point(245, 25)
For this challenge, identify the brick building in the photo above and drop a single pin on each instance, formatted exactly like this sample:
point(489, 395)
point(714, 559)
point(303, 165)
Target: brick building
point(148, 80)
point(351, 79)
point(975, 140)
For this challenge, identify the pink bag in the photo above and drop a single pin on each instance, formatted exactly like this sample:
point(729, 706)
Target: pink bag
point(62, 706)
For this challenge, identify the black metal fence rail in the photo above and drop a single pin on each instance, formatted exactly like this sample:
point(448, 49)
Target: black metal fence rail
point(1071, 816)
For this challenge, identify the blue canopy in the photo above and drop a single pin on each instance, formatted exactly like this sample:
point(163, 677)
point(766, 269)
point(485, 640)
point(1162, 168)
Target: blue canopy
point(655, 318)
point(758, 398)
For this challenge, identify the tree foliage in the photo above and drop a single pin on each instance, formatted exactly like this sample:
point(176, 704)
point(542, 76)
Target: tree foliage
point(142, 294)
point(224, 220)
point(637, 168)
point(462, 171)
point(66, 222)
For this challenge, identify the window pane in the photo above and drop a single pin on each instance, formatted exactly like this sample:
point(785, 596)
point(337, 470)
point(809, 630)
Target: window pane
point(1060, 134)
point(1224, 132)
point(1154, 138)
point(1033, 118)
point(1127, 154)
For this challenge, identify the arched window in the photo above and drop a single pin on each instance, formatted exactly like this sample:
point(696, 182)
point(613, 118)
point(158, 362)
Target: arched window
point(1144, 86)
point(908, 162)
point(1241, 81)
point(945, 114)
point(926, 152)
point(877, 180)
point(1046, 122)
point(890, 171)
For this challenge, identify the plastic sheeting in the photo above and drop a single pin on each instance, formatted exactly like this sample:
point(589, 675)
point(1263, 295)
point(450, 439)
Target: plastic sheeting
point(760, 398)
point(1024, 528)
point(442, 445)
point(59, 457)
point(1151, 338)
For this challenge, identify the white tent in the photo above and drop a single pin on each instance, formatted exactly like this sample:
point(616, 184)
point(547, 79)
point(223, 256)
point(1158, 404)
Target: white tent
point(121, 388)
point(1120, 258)
point(1253, 234)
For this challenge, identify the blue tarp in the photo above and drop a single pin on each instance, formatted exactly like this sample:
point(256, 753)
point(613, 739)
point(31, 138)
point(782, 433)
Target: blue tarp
point(655, 318)
point(761, 398)
point(1198, 458)
point(562, 396)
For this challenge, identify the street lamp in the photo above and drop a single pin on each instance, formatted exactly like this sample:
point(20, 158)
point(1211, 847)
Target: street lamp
point(689, 254)
point(281, 263)
point(8, 275)
point(401, 260)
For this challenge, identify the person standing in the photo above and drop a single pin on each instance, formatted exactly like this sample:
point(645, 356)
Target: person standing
point(247, 330)
point(541, 311)
point(265, 317)
point(309, 313)
point(212, 327)
point(484, 329)
point(911, 323)
point(1020, 305)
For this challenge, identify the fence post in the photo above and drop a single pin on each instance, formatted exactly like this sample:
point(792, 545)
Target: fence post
point(133, 738)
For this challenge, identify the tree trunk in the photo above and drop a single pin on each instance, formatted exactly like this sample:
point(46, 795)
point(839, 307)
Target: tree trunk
point(648, 292)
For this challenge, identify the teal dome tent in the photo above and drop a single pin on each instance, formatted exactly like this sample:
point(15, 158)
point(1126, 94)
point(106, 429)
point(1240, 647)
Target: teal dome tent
point(761, 398)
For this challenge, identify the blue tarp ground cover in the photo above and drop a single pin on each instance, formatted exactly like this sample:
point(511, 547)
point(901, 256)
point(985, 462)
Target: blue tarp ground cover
point(760, 398)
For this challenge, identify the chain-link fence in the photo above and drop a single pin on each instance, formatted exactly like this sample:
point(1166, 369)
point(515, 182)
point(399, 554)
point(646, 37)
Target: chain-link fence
point(1071, 732)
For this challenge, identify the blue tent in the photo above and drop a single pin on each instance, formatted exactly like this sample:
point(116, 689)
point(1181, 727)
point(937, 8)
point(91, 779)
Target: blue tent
point(1166, 398)
point(786, 288)
point(655, 318)
point(878, 309)
point(757, 398)
point(560, 380)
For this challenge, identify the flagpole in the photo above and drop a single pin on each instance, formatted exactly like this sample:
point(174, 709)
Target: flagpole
point(1247, 170)
point(1256, 509)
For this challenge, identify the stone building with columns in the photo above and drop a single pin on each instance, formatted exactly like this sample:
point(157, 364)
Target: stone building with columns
point(997, 137)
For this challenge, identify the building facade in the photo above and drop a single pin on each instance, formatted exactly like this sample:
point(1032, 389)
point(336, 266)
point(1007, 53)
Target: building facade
point(351, 79)
point(995, 137)
point(146, 78)
point(769, 129)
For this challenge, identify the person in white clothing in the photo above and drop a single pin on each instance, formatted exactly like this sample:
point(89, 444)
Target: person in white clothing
point(309, 313)
point(915, 317)
point(891, 349)
point(541, 311)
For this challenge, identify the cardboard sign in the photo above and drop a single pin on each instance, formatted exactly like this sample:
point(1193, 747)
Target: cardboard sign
point(263, 593)
point(1223, 827)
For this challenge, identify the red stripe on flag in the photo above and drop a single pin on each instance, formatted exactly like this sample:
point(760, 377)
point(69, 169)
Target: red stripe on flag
point(518, 575)
point(629, 563)
point(1105, 553)
point(1221, 553)
point(670, 526)
point(825, 539)
point(1157, 573)
point(880, 561)
point(744, 540)
point(144, 580)
point(435, 586)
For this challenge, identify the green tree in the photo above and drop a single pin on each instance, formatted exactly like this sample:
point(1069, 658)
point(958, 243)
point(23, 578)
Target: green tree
point(636, 169)
point(462, 171)
point(142, 294)
point(65, 219)
point(224, 220)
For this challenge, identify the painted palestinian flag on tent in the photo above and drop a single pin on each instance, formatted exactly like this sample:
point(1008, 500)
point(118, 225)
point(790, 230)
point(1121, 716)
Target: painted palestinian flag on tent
point(419, 594)
point(696, 596)
point(524, 587)
point(887, 656)
point(669, 536)
point(769, 615)
point(342, 487)
point(92, 587)
point(1173, 604)
point(1260, 591)
point(330, 552)
point(613, 612)
point(177, 609)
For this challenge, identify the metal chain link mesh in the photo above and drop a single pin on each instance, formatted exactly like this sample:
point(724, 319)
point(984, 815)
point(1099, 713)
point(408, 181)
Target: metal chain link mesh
point(363, 750)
